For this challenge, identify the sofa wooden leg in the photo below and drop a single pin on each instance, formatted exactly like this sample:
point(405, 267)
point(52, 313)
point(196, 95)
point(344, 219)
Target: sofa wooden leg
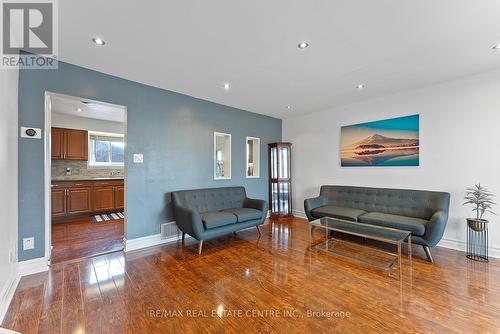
point(428, 253)
point(258, 229)
point(200, 246)
point(183, 237)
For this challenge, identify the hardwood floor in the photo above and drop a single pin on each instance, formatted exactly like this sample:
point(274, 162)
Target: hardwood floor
point(247, 284)
point(81, 238)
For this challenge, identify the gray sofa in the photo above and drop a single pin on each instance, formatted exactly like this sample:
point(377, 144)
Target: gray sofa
point(210, 213)
point(423, 213)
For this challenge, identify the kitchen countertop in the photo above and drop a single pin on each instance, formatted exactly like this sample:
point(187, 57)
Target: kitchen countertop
point(75, 178)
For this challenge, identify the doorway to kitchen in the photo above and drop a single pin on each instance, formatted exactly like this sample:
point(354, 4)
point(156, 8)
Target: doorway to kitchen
point(86, 169)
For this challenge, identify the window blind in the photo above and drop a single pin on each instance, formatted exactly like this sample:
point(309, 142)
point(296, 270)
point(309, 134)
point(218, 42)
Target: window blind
point(106, 138)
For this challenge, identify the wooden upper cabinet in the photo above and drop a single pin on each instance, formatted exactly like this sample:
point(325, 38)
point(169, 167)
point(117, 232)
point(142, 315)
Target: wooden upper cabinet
point(75, 145)
point(57, 143)
point(104, 198)
point(69, 144)
point(119, 197)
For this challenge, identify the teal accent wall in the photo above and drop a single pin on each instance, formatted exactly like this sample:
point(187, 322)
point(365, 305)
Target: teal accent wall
point(173, 131)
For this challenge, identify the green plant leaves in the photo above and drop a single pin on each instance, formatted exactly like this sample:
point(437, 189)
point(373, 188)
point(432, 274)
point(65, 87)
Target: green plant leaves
point(481, 199)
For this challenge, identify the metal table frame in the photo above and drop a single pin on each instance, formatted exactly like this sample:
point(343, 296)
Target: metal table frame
point(371, 237)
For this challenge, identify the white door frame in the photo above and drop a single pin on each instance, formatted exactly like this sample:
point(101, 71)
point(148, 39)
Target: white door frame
point(48, 165)
point(47, 175)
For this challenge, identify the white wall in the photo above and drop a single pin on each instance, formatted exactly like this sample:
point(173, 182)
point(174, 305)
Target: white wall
point(83, 123)
point(459, 146)
point(8, 189)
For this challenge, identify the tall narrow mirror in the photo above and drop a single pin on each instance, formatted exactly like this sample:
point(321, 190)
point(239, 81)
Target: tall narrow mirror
point(253, 157)
point(222, 156)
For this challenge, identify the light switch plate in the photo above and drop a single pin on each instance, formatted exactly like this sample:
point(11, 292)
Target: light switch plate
point(28, 243)
point(27, 132)
point(138, 158)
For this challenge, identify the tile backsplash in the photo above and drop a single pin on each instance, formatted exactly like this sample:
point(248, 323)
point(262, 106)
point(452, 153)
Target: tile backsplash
point(80, 169)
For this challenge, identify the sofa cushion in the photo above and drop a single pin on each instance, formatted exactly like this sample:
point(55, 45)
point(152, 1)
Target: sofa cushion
point(215, 219)
point(415, 225)
point(245, 214)
point(337, 212)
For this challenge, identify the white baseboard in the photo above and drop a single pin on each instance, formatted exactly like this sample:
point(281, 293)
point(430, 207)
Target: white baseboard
point(147, 241)
point(22, 268)
point(8, 291)
point(299, 214)
point(452, 244)
point(462, 246)
point(33, 266)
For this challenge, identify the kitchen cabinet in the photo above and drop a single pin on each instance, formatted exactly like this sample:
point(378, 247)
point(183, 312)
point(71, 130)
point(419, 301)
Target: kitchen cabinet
point(77, 198)
point(69, 144)
point(120, 197)
point(58, 200)
point(57, 143)
point(104, 198)
point(76, 145)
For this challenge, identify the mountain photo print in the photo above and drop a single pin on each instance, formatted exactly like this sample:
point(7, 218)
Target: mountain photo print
point(389, 142)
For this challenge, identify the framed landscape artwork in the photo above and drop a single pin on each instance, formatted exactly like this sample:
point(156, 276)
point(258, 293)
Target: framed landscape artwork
point(389, 142)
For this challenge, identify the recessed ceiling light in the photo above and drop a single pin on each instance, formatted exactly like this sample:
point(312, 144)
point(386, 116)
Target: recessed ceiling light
point(79, 109)
point(360, 86)
point(227, 86)
point(289, 107)
point(496, 47)
point(98, 41)
point(303, 45)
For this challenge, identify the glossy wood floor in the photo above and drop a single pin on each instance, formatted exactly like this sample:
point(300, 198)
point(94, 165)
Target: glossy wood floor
point(247, 284)
point(81, 238)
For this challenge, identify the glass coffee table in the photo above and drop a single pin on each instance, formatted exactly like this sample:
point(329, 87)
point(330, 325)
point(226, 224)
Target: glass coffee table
point(359, 252)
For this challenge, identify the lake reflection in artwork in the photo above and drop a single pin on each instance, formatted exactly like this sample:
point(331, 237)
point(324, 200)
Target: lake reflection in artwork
point(389, 142)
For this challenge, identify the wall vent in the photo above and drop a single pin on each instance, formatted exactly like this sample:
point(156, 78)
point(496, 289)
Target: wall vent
point(169, 230)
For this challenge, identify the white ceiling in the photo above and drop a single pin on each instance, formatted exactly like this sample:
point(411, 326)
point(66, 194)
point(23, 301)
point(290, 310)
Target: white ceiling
point(193, 47)
point(89, 109)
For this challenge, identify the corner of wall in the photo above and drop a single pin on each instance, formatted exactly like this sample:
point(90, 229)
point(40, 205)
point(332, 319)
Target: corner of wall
point(8, 290)
point(9, 273)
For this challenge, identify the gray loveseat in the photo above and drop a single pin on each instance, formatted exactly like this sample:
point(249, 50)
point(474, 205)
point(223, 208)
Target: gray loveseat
point(210, 213)
point(423, 213)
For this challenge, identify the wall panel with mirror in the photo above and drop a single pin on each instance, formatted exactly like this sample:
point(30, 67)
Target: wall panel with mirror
point(222, 156)
point(253, 157)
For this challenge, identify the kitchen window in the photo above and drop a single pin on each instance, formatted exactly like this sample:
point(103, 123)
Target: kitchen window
point(106, 150)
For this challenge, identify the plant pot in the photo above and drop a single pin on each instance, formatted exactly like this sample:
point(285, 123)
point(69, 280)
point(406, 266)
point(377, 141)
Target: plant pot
point(477, 225)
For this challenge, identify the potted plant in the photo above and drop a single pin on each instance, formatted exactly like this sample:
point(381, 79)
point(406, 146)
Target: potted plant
point(482, 201)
